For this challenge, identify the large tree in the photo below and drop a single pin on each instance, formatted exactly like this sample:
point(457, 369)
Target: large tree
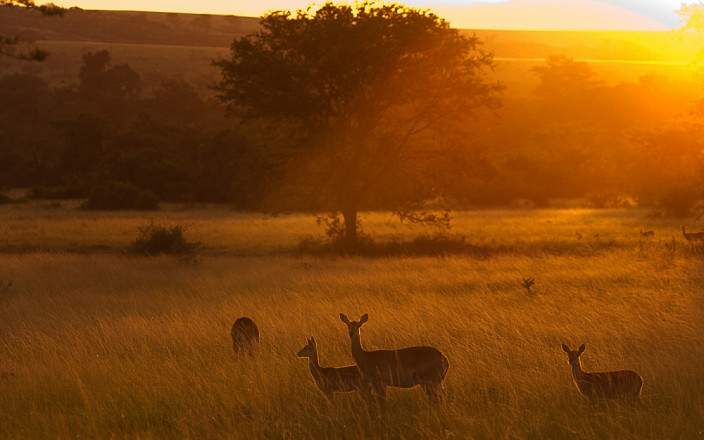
point(372, 100)
point(11, 45)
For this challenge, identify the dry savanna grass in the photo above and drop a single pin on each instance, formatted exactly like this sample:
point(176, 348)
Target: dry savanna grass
point(99, 345)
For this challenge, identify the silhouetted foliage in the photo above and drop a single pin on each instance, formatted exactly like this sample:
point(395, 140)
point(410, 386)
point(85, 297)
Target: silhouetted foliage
point(154, 240)
point(56, 192)
point(365, 93)
point(692, 15)
point(12, 46)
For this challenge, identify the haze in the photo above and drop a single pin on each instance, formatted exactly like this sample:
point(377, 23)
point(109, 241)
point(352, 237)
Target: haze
point(487, 14)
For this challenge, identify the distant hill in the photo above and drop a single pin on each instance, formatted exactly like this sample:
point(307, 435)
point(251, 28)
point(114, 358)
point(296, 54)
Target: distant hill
point(127, 27)
point(183, 45)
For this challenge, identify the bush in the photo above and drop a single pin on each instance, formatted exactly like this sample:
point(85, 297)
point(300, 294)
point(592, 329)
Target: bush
point(679, 201)
point(156, 240)
point(5, 199)
point(56, 192)
point(609, 200)
point(119, 195)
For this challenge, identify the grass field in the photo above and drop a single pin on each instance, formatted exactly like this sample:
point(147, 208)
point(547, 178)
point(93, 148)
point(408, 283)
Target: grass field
point(96, 344)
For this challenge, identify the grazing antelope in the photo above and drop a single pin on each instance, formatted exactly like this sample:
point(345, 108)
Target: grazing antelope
point(330, 380)
point(692, 236)
point(647, 233)
point(608, 385)
point(5, 286)
point(528, 283)
point(245, 336)
point(404, 368)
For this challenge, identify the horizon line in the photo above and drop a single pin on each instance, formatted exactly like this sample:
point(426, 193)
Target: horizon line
point(517, 29)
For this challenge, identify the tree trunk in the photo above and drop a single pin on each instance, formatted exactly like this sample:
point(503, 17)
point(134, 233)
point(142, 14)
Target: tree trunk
point(350, 217)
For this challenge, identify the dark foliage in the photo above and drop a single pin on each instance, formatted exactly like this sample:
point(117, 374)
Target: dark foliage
point(154, 240)
point(56, 192)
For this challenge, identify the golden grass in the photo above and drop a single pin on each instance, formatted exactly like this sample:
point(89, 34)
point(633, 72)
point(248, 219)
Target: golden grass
point(39, 226)
point(95, 346)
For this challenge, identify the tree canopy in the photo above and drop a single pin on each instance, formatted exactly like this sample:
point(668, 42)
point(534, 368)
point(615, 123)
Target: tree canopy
point(372, 97)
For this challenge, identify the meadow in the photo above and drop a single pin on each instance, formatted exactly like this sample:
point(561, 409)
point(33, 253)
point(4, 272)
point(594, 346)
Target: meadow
point(98, 344)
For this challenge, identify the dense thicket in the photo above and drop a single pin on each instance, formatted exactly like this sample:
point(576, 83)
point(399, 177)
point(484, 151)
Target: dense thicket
point(65, 141)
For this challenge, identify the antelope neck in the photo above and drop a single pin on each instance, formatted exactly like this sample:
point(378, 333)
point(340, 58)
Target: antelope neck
point(314, 366)
point(313, 361)
point(357, 350)
point(577, 371)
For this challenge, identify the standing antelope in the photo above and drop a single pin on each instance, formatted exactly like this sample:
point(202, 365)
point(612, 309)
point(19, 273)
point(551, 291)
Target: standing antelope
point(245, 336)
point(692, 236)
point(404, 368)
point(330, 380)
point(608, 385)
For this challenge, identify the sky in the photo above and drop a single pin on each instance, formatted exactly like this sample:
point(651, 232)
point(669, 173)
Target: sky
point(492, 14)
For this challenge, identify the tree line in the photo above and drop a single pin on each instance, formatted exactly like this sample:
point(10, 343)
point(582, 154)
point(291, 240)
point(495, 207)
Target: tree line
point(343, 109)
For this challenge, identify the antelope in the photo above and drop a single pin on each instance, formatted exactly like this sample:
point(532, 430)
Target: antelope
point(5, 286)
point(647, 233)
point(528, 283)
point(330, 380)
point(608, 385)
point(245, 336)
point(403, 368)
point(692, 236)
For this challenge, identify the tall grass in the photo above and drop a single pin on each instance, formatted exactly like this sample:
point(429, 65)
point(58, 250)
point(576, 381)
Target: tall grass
point(108, 346)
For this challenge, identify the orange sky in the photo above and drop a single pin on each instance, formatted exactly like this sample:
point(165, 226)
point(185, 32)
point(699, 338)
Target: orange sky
point(503, 14)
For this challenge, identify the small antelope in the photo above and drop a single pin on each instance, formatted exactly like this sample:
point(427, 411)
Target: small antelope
point(5, 286)
point(692, 236)
point(608, 385)
point(528, 283)
point(647, 233)
point(404, 368)
point(245, 336)
point(330, 380)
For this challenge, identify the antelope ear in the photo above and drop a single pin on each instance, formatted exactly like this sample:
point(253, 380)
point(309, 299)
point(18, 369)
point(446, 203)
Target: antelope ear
point(565, 348)
point(312, 341)
point(344, 318)
point(582, 348)
point(364, 318)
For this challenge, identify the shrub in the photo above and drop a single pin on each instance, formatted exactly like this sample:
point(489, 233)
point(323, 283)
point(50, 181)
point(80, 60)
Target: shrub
point(679, 201)
point(609, 200)
point(5, 199)
point(118, 196)
point(154, 240)
point(56, 192)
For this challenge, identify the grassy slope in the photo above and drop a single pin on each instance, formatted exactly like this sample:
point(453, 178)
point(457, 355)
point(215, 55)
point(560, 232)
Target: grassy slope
point(104, 345)
point(161, 45)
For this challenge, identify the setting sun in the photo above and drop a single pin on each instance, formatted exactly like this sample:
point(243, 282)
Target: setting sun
point(473, 14)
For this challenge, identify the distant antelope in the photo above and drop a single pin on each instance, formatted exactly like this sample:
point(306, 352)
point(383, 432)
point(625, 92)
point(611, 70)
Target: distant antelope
point(404, 368)
point(330, 380)
point(608, 385)
point(528, 283)
point(647, 233)
point(245, 336)
point(692, 236)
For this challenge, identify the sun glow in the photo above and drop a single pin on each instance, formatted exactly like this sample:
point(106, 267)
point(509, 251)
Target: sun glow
point(474, 14)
